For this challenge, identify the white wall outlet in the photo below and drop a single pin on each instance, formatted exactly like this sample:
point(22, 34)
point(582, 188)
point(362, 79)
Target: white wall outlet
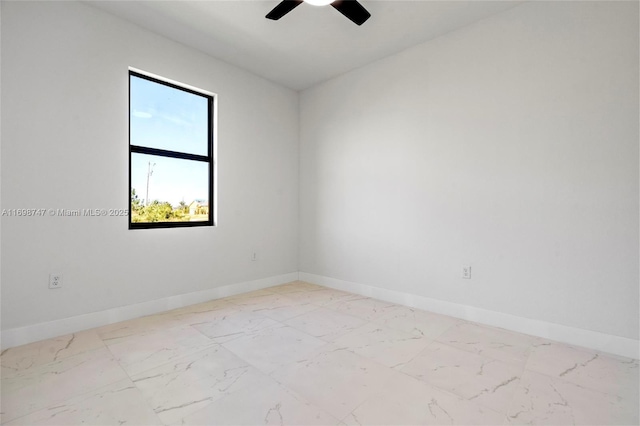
point(466, 272)
point(254, 256)
point(55, 280)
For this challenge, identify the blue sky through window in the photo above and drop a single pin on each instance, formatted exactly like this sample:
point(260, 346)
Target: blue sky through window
point(172, 179)
point(171, 119)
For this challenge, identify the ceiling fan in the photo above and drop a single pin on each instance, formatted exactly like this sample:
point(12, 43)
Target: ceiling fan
point(349, 8)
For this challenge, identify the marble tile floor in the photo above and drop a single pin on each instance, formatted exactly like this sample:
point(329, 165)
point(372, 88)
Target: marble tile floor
point(301, 354)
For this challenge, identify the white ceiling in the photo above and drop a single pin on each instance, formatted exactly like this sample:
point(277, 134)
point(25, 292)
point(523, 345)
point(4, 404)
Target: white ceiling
point(310, 44)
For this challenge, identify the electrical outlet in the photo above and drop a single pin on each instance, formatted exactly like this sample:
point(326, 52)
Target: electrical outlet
point(466, 272)
point(55, 280)
point(254, 256)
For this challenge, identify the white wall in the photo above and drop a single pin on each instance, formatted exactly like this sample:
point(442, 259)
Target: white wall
point(65, 145)
point(510, 145)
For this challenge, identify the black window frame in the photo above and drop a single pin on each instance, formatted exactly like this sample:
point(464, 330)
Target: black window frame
point(175, 154)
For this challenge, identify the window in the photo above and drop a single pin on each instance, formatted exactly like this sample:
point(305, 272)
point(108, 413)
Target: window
point(170, 154)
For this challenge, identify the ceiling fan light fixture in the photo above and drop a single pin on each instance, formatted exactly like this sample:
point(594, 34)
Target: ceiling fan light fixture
point(319, 2)
point(352, 9)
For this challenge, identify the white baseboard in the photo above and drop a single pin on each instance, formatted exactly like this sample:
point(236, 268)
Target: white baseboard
point(575, 336)
point(46, 330)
